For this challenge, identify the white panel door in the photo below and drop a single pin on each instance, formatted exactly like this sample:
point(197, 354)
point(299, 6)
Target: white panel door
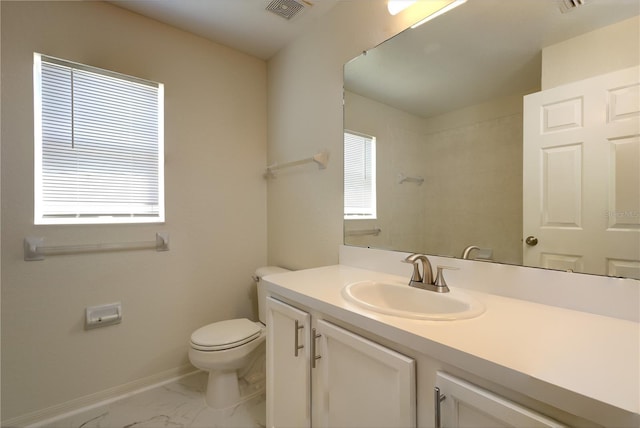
point(359, 383)
point(468, 406)
point(288, 369)
point(581, 176)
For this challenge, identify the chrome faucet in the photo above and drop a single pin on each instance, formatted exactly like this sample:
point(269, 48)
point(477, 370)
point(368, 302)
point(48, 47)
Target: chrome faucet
point(425, 280)
point(467, 251)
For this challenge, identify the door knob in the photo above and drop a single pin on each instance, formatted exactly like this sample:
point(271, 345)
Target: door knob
point(531, 241)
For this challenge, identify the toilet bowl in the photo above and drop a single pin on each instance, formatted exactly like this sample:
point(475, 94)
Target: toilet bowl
point(225, 348)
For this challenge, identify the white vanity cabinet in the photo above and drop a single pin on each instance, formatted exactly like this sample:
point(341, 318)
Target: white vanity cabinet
point(319, 374)
point(459, 403)
point(519, 364)
point(359, 383)
point(288, 366)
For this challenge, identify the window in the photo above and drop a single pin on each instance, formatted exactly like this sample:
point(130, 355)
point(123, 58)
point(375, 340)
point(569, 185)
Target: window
point(99, 149)
point(359, 176)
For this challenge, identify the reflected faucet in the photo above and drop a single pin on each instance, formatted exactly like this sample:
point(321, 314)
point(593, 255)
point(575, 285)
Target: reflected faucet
point(468, 250)
point(425, 280)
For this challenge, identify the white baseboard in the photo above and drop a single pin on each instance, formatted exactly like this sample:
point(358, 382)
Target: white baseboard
point(64, 410)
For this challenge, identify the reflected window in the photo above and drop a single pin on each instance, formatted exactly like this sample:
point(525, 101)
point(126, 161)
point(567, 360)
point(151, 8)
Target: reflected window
point(359, 176)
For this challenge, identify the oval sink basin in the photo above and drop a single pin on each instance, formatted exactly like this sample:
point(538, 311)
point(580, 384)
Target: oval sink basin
point(408, 302)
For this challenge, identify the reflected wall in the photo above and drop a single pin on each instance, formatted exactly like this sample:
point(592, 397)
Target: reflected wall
point(471, 162)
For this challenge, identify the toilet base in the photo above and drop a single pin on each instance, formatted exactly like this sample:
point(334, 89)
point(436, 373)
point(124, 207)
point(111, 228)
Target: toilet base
point(225, 367)
point(222, 389)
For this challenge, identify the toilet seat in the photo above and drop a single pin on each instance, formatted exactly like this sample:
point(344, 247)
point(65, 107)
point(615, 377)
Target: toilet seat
point(225, 335)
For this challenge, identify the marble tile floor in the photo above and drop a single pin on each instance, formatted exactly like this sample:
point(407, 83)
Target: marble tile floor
point(172, 405)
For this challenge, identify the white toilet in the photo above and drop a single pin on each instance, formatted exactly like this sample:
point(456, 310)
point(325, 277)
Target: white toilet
point(226, 347)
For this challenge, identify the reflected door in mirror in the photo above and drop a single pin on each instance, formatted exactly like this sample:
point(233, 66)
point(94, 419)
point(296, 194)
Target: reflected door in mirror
point(582, 176)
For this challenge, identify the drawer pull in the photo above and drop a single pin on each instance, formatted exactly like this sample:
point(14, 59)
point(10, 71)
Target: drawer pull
point(314, 357)
point(437, 399)
point(296, 341)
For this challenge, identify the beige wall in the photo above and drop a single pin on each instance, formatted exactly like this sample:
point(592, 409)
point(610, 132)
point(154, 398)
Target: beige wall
point(215, 137)
point(305, 205)
point(601, 51)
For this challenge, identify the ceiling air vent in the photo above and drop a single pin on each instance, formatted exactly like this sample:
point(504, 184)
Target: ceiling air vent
point(287, 9)
point(569, 5)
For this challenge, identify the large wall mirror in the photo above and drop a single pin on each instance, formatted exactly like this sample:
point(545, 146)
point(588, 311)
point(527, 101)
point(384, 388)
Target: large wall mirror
point(509, 129)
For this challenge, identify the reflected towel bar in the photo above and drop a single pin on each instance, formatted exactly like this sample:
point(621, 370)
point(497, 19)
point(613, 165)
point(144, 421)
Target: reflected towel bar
point(363, 232)
point(34, 249)
point(321, 158)
point(407, 179)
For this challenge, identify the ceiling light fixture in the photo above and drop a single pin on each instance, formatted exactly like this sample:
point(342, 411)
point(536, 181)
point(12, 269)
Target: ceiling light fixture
point(442, 11)
point(396, 6)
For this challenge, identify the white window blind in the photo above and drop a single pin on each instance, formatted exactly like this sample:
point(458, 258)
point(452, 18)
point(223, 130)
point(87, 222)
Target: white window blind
point(359, 176)
point(98, 145)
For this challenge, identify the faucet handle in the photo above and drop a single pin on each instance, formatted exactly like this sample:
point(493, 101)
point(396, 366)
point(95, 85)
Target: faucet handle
point(440, 282)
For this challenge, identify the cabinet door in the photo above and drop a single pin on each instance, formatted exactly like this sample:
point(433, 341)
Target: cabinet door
point(288, 369)
point(359, 383)
point(466, 405)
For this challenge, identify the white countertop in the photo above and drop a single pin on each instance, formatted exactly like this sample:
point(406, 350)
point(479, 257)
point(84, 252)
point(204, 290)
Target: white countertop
point(557, 350)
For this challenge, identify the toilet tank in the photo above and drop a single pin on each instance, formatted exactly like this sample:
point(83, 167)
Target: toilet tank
point(262, 291)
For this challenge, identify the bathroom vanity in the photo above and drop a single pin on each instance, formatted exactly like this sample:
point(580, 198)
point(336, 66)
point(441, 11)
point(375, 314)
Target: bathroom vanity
point(331, 362)
point(355, 377)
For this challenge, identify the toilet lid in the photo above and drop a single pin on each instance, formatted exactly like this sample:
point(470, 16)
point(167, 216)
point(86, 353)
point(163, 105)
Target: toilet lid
point(225, 334)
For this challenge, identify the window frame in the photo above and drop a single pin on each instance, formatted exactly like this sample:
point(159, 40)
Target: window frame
point(40, 218)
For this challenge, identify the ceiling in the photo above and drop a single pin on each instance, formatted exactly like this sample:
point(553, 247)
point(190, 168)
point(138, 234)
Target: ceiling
point(244, 25)
point(490, 48)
